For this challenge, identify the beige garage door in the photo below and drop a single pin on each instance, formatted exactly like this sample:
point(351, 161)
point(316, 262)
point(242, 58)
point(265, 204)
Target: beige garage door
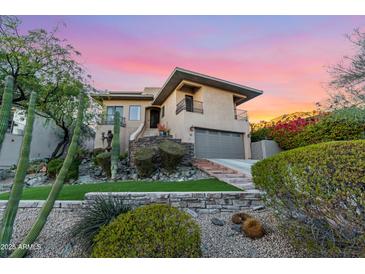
point(218, 144)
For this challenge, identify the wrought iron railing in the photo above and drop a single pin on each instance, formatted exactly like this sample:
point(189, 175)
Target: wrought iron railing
point(108, 119)
point(240, 114)
point(190, 106)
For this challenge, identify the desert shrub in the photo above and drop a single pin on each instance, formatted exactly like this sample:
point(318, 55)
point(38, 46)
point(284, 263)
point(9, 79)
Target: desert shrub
point(158, 231)
point(252, 228)
point(260, 134)
point(123, 156)
point(54, 166)
point(344, 124)
point(104, 161)
point(144, 161)
point(95, 153)
point(286, 133)
point(101, 212)
point(171, 154)
point(318, 192)
point(239, 218)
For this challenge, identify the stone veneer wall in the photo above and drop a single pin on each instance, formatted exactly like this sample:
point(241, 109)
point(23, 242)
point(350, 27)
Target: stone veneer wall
point(200, 202)
point(154, 141)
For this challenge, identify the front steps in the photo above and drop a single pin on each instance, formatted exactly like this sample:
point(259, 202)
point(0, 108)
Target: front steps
point(240, 180)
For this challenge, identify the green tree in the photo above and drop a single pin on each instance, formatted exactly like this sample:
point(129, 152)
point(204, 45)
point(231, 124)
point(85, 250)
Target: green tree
point(347, 86)
point(39, 60)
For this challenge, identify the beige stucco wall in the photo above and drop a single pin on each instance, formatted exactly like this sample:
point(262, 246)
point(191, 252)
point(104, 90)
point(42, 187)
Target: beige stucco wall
point(131, 126)
point(218, 113)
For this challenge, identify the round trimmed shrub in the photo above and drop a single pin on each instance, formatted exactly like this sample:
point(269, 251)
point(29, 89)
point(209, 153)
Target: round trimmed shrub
point(143, 159)
point(171, 154)
point(104, 161)
point(152, 231)
point(318, 192)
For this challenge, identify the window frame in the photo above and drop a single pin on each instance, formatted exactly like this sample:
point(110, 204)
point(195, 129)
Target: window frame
point(129, 113)
point(163, 111)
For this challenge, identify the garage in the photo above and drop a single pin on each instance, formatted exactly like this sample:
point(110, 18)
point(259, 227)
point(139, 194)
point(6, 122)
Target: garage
point(218, 144)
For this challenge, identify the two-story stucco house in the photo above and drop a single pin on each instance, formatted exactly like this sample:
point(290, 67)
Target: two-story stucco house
point(196, 108)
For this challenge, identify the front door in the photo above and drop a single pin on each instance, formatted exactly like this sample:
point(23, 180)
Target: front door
point(154, 118)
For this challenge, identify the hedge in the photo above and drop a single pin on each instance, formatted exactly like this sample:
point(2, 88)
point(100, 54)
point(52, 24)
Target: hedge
point(158, 231)
point(318, 193)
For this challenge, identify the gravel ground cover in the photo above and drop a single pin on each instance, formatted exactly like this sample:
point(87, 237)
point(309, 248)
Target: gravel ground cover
point(217, 241)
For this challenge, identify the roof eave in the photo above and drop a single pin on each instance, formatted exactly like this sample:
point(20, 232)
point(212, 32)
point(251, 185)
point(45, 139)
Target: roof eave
point(181, 74)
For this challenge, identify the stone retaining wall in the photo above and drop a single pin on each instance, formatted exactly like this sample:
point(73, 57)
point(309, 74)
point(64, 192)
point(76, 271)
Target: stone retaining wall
point(39, 203)
point(154, 141)
point(200, 202)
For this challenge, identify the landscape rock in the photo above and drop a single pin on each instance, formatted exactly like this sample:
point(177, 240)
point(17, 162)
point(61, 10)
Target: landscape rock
point(236, 227)
point(217, 222)
point(36, 179)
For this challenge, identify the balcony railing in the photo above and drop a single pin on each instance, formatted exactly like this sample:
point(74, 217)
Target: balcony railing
point(240, 114)
point(108, 119)
point(190, 106)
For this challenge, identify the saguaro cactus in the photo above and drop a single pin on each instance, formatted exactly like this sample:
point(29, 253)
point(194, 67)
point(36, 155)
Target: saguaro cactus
point(115, 146)
point(17, 189)
point(5, 109)
point(56, 188)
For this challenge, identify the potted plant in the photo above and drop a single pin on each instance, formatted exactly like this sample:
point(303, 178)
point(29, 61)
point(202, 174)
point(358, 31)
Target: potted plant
point(162, 129)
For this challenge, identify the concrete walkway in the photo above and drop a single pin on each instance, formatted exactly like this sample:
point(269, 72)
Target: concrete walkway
point(239, 165)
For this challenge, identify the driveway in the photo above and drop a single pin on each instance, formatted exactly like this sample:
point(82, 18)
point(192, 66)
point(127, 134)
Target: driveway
point(240, 165)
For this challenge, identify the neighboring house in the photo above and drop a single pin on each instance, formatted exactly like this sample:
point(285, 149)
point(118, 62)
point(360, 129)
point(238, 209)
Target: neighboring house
point(196, 108)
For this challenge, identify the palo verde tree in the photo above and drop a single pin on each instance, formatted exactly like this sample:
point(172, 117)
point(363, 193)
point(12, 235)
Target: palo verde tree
point(39, 60)
point(115, 145)
point(57, 185)
point(6, 229)
point(347, 86)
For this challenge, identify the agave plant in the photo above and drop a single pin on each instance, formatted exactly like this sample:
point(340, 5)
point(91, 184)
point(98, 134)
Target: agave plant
point(101, 212)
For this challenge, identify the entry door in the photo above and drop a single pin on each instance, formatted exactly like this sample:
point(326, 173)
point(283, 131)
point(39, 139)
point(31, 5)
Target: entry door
point(218, 144)
point(154, 118)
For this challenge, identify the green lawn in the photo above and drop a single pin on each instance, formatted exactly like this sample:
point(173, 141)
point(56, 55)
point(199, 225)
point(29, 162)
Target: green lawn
point(77, 192)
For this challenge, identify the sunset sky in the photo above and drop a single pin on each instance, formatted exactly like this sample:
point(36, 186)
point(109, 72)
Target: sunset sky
point(286, 56)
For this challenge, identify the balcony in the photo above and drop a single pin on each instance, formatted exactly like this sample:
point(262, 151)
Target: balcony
point(109, 120)
point(240, 114)
point(190, 106)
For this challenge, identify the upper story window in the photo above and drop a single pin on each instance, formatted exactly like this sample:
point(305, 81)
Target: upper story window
point(110, 111)
point(162, 111)
point(134, 113)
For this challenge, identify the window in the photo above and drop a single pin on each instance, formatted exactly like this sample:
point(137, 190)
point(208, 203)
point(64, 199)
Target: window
point(163, 111)
point(110, 111)
point(134, 113)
